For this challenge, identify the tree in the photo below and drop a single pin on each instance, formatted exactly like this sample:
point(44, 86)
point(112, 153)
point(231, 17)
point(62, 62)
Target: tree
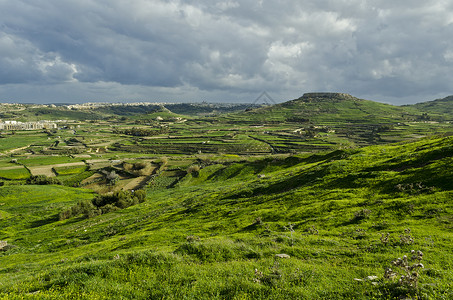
point(112, 178)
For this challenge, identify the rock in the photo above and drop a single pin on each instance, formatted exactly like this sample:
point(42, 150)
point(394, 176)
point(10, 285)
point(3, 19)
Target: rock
point(3, 244)
point(282, 255)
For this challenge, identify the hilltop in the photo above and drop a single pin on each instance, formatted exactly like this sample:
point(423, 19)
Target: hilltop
point(332, 108)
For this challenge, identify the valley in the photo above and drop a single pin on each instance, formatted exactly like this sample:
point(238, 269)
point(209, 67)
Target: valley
point(313, 198)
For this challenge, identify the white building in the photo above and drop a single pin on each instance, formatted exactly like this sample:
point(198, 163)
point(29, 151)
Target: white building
point(15, 125)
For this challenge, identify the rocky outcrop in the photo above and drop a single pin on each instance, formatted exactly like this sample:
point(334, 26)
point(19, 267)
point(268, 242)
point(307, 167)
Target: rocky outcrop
point(337, 96)
point(4, 246)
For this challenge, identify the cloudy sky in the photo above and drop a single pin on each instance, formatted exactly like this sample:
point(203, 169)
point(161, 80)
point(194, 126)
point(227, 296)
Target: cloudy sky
point(205, 50)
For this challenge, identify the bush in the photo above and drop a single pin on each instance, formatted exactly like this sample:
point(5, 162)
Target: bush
point(193, 169)
point(361, 215)
point(42, 180)
point(85, 208)
point(103, 204)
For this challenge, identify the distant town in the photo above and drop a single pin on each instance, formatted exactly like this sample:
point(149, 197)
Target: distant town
point(15, 125)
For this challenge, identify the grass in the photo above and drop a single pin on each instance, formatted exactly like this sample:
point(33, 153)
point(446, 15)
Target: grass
point(69, 170)
point(45, 160)
point(19, 140)
point(216, 233)
point(15, 174)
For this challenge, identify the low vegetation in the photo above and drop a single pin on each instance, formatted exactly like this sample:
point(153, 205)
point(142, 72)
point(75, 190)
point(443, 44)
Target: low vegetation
point(103, 204)
point(247, 205)
point(327, 225)
point(42, 180)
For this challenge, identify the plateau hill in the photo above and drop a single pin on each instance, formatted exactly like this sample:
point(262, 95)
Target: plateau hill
point(333, 108)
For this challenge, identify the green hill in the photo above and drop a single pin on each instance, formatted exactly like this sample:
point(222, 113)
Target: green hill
point(337, 107)
point(29, 112)
point(440, 109)
point(294, 227)
point(332, 108)
point(329, 120)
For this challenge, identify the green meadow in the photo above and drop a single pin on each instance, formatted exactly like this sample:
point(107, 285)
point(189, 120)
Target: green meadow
point(219, 231)
point(15, 174)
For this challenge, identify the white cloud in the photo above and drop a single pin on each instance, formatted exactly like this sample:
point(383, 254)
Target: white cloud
point(448, 56)
point(21, 62)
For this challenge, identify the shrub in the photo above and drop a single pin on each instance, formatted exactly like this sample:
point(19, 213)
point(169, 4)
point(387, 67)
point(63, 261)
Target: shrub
point(112, 178)
point(406, 274)
point(193, 169)
point(103, 204)
point(140, 195)
point(108, 208)
point(42, 180)
point(85, 208)
point(406, 238)
point(361, 215)
point(385, 238)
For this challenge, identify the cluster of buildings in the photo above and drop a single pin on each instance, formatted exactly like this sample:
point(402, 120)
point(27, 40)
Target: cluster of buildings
point(91, 105)
point(15, 125)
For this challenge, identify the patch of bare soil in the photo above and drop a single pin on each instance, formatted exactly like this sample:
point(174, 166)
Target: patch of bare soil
point(42, 170)
point(80, 163)
point(47, 170)
point(93, 178)
point(140, 169)
point(11, 168)
point(135, 183)
point(99, 163)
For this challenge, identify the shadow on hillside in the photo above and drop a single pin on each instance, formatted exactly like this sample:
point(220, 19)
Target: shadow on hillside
point(309, 176)
point(42, 222)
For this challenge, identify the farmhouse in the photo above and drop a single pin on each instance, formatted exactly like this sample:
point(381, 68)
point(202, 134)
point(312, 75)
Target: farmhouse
point(15, 125)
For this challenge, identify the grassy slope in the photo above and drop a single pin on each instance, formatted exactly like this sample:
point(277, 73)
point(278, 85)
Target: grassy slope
point(206, 237)
point(439, 109)
point(58, 113)
point(34, 113)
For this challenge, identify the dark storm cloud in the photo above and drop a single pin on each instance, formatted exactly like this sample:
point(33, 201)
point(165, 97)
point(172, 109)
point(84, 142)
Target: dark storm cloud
point(195, 49)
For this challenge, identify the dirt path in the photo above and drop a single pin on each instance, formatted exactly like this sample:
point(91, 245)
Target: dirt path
point(16, 150)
